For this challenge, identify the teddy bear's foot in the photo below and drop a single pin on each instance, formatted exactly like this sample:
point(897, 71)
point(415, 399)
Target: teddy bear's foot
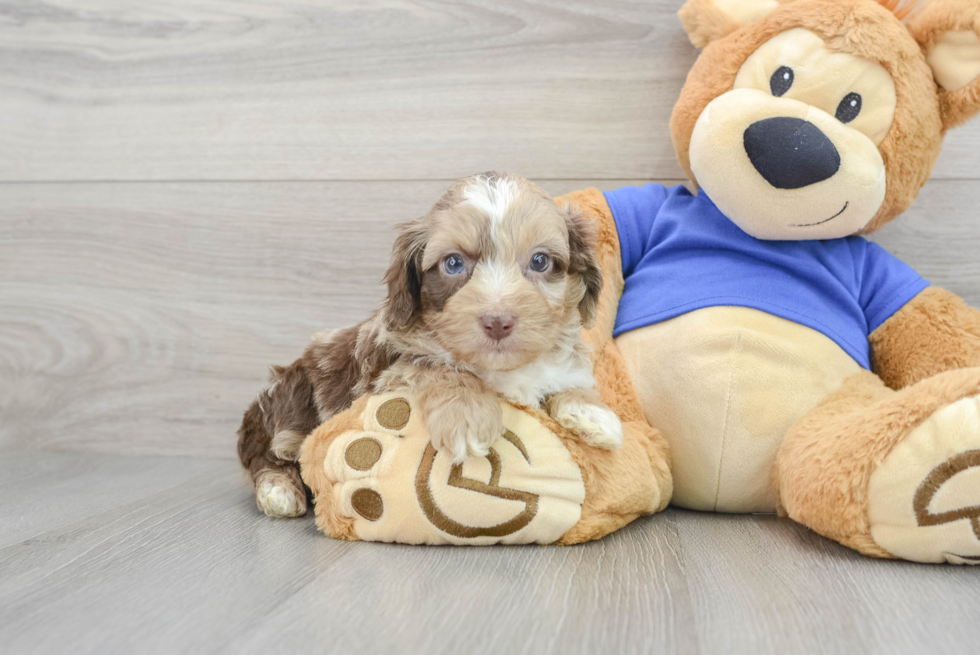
point(924, 498)
point(377, 477)
point(890, 473)
point(279, 495)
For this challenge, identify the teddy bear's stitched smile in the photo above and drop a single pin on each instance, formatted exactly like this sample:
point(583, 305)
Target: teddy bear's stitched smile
point(846, 205)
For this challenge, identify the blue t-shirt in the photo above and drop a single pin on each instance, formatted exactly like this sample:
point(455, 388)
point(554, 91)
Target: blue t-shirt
point(680, 253)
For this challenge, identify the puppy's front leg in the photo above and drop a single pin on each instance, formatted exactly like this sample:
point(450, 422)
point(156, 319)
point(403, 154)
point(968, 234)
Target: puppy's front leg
point(463, 416)
point(581, 411)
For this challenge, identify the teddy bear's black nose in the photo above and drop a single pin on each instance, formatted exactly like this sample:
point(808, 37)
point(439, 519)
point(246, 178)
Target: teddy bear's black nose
point(791, 153)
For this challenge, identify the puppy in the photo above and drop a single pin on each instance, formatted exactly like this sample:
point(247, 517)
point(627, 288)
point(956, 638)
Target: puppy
point(487, 297)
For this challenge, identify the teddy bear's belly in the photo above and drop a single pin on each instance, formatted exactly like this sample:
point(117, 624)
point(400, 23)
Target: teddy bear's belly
point(723, 385)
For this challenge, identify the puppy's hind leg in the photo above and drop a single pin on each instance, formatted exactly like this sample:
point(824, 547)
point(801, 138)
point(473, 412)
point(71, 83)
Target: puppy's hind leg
point(272, 431)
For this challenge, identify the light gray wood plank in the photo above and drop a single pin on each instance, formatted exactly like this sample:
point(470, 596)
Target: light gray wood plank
point(141, 318)
point(939, 236)
point(196, 568)
point(210, 569)
point(625, 594)
point(45, 491)
point(180, 571)
point(184, 90)
point(764, 584)
point(224, 90)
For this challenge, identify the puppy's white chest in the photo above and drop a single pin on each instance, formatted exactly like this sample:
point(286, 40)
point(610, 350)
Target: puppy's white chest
point(531, 384)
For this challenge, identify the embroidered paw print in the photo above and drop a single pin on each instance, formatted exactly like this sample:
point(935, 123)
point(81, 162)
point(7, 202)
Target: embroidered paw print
point(951, 473)
point(387, 477)
point(361, 456)
point(365, 452)
point(924, 498)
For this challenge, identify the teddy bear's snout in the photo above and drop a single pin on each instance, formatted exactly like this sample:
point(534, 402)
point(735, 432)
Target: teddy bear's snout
point(791, 153)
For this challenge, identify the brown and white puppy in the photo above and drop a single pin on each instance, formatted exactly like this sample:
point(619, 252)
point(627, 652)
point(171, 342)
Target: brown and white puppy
point(487, 297)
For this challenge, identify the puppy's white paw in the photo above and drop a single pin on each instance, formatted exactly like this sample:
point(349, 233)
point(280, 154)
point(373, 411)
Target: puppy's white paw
point(597, 426)
point(276, 495)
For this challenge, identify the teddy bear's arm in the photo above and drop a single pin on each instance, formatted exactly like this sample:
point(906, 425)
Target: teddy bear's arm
point(935, 332)
point(593, 204)
point(612, 379)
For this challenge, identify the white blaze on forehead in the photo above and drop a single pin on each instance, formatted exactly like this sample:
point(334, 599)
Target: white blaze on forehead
point(492, 196)
point(499, 279)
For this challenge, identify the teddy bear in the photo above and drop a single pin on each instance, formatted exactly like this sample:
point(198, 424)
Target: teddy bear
point(791, 365)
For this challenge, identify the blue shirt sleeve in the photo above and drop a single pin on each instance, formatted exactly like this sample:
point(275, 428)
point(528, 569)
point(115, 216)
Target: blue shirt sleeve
point(635, 210)
point(887, 285)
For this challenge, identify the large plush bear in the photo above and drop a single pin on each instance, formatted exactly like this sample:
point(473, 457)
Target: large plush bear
point(790, 364)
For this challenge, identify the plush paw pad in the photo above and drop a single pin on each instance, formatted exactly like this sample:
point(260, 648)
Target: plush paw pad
point(597, 426)
point(276, 494)
point(388, 478)
point(924, 498)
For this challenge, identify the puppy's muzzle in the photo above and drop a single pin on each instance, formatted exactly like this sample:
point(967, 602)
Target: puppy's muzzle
point(498, 328)
point(791, 153)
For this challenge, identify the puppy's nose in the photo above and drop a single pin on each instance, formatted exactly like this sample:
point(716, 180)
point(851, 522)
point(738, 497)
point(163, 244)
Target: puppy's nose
point(498, 327)
point(791, 153)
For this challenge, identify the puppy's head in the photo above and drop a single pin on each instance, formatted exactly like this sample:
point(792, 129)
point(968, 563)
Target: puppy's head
point(495, 272)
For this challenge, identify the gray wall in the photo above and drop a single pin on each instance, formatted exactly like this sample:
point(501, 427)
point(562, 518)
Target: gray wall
point(188, 190)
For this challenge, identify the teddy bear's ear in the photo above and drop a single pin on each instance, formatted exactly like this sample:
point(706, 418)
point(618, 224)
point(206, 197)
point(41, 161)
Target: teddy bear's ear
point(709, 20)
point(949, 33)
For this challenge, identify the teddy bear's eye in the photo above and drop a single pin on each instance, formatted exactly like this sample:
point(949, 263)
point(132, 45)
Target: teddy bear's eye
point(781, 81)
point(849, 108)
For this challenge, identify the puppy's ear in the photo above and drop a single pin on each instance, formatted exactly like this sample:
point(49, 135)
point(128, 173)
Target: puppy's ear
point(949, 33)
point(404, 276)
point(582, 261)
point(709, 20)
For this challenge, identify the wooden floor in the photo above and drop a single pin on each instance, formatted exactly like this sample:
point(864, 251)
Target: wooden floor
point(154, 554)
point(190, 188)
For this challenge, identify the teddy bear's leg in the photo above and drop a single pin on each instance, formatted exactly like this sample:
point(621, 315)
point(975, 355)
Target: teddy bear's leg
point(890, 473)
point(377, 477)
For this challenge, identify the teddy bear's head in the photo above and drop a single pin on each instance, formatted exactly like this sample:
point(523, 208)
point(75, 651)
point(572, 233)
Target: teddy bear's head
point(818, 119)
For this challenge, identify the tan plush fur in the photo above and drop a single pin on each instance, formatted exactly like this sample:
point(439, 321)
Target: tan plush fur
point(611, 505)
point(593, 205)
point(926, 356)
point(857, 27)
point(935, 332)
point(621, 485)
point(926, 26)
point(311, 458)
point(612, 378)
point(826, 461)
point(704, 22)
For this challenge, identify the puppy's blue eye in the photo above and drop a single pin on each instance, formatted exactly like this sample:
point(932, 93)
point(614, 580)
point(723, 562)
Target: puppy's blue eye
point(454, 264)
point(540, 263)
